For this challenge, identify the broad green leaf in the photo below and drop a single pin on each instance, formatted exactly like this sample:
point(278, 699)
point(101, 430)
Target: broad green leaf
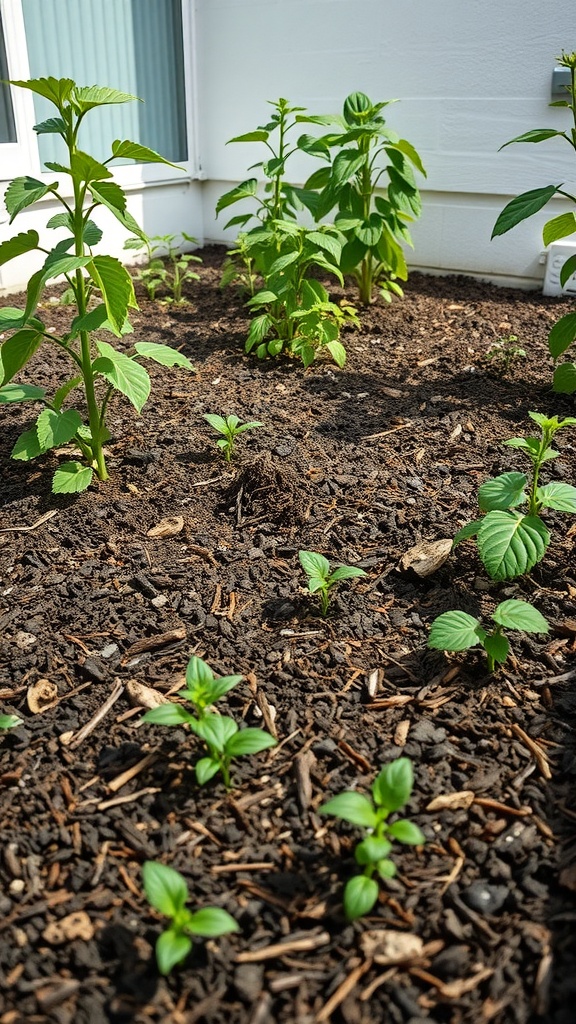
point(455, 631)
point(172, 947)
point(246, 426)
point(21, 393)
point(318, 180)
point(9, 721)
point(216, 730)
point(523, 206)
point(26, 241)
point(337, 351)
point(353, 807)
point(57, 264)
point(282, 262)
point(568, 269)
point(216, 422)
point(258, 136)
point(116, 288)
point(557, 495)
point(534, 135)
point(386, 869)
point(205, 769)
point(392, 787)
point(559, 227)
point(111, 195)
point(59, 168)
point(346, 572)
point(168, 714)
point(467, 532)
point(211, 922)
point(332, 245)
point(564, 380)
point(23, 192)
point(61, 220)
point(71, 478)
point(562, 334)
point(515, 614)
point(198, 673)
point(165, 888)
point(360, 895)
point(314, 564)
point(372, 849)
point(497, 646)
point(163, 354)
point(91, 321)
point(124, 373)
point(502, 492)
point(259, 328)
point(406, 832)
point(134, 151)
point(86, 97)
point(249, 741)
point(369, 231)
point(16, 351)
point(246, 190)
point(57, 90)
point(55, 428)
point(53, 125)
point(510, 545)
point(345, 165)
point(62, 393)
point(408, 150)
point(27, 446)
point(84, 167)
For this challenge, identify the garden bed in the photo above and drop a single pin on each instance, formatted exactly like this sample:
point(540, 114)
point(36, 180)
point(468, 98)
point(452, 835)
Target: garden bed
point(359, 464)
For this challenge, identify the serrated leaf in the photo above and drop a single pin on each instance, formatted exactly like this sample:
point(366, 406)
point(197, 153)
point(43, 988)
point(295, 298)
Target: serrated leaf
point(502, 492)
point(16, 351)
point(84, 167)
point(558, 496)
point(455, 631)
point(134, 151)
point(523, 206)
point(71, 478)
point(56, 428)
point(86, 97)
point(314, 564)
point(57, 90)
point(111, 195)
point(163, 354)
point(20, 393)
point(53, 125)
point(27, 446)
point(497, 647)
point(116, 287)
point(246, 190)
point(558, 227)
point(562, 335)
point(26, 241)
point(360, 895)
point(516, 614)
point(564, 380)
point(165, 888)
point(510, 545)
point(124, 373)
point(23, 192)
point(353, 807)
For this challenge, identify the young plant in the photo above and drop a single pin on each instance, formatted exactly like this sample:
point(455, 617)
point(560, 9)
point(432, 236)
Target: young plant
point(221, 734)
point(511, 542)
point(169, 272)
point(503, 353)
point(229, 427)
point(102, 288)
point(167, 892)
point(321, 580)
point(457, 631)
point(9, 721)
point(390, 791)
point(563, 333)
point(372, 216)
point(239, 268)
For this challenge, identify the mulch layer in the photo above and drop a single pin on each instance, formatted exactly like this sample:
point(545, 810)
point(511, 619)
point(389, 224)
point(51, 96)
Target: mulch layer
point(359, 464)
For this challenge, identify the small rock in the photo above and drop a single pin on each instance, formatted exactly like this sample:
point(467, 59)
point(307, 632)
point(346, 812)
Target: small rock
point(159, 601)
point(248, 981)
point(485, 898)
point(109, 650)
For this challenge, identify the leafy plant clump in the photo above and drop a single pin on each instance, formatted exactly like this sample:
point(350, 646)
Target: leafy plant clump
point(370, 179)
point(167, 892)
point(390, 791)
point(321, 580)
point(102, 288)
point(229, 427)
point(511, 542)
point(457, 631)
point(505, 353)
point(563, 333)
point(169, 272)
point(220, 733)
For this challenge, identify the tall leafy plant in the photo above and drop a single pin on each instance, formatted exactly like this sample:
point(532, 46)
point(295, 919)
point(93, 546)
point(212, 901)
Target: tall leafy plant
point(370, 180)
point(563, 333)
point(101, 286)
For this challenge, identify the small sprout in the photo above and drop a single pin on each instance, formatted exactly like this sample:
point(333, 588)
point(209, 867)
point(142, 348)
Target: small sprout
point(320, 579)
point(457, 631)
point(9, 721)
point(390, 791)
point(229, 427)
point(167, 892)
point(221, 734)
point(504, 353)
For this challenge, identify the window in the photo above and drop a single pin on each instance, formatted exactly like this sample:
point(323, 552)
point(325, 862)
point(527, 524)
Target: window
point(7, 122)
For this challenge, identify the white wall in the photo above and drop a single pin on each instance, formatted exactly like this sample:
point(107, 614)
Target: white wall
point(470, 74)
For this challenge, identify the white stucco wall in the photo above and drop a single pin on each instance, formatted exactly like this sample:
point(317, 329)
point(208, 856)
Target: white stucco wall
point(469, 74)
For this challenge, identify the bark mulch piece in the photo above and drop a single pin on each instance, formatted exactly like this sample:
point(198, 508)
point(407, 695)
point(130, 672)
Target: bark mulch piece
point(98, 593)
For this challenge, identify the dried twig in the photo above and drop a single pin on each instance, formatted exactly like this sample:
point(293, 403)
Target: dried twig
point(74, 741)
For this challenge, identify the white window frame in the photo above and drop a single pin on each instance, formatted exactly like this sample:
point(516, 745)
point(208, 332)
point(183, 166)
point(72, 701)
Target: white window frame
point(23, 156)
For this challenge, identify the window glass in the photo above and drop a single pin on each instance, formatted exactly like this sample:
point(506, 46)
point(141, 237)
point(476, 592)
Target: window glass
point(7, 124)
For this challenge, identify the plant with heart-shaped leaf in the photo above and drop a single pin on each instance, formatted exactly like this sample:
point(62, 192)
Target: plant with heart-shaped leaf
point(391, 790)
point(511, 542)
point(102, 290)
point(221, 734)
point(458, 631)
point(563, 333)
point(321, 579)
point(167, 892)
point(229, 427)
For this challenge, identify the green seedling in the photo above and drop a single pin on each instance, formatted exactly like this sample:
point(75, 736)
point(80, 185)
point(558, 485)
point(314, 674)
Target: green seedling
point(457, 631)
point(503, 353)
point(229, 427)
point(563, 333)
point(167, 892)
point(221, 734)
point(239, 268)
point(9, 721)
point(390, 791)
point(168, 267)
point(102, 288)
point(510, 542)
point(321, 580)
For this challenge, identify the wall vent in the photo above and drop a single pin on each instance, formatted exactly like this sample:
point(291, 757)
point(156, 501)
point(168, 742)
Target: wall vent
point(558, 253)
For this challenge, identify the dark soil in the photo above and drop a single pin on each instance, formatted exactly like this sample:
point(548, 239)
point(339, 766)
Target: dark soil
point(359, 464)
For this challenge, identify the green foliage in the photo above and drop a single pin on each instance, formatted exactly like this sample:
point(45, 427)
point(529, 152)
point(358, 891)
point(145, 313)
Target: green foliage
point(9, 721)
point(168, 272)
point(320, 579)
point(391, 790)
point(167, 892)
point(457, 631)
point(511, 542)
point(221, 735)
point(101, 288)
point(528, 203)
point(370, 180)
point(229, 427)
point(504, 353)
point(294, 313)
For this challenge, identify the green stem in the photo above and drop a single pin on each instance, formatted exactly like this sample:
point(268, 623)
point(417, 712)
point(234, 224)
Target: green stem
point(533, 503)
point(366, 280)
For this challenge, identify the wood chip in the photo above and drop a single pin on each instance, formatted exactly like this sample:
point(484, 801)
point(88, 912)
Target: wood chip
point(150, 643)
point(303, 762)
point(41, 696)
point(142, 696)
point(386, 947)
point(132, 772)
point(426, 557)
point(289, 945)
point(75, 926)
point(401, 732)
point(28, 529)
point(535, 749)
point(73, 740)
point(168, 527)
point(347, 986)
point(452, 801)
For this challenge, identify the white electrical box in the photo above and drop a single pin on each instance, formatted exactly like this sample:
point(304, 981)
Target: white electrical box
point(557, 255)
